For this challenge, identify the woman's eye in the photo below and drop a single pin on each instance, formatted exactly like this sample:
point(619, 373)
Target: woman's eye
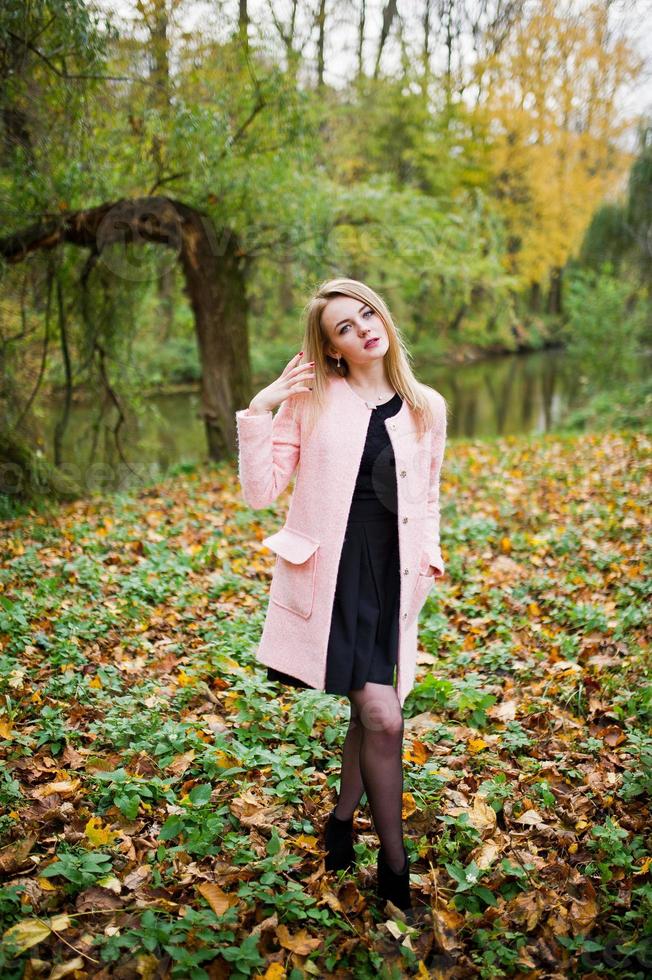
point(370, 312)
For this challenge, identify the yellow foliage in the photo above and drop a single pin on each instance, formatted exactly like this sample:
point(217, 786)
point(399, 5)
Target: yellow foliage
point(476, 745)
point(98, 834)
point(555, 157)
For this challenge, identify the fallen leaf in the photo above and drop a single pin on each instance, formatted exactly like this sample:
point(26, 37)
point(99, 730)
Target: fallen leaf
point(63, 787)
point(485, 856)
point(64, 969)
point(98, 834)
point(218, 900)
point(26, 933)
point(505, 711)
point(531, 818)
point(13, 856)
point(301, 942)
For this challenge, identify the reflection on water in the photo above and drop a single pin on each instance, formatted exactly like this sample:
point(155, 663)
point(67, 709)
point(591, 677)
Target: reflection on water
point(495, 397)
point(508, 395)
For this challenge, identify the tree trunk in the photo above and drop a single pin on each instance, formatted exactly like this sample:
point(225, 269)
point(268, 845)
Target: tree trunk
point(426, 53)
point(554, 295)
point(321, 42)
point(535, 297)
point(389, 13)
point(215, 276)
point(361, 29)
point(243, 24)
point(216, 287)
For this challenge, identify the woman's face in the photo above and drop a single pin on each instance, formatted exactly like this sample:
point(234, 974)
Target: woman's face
point(350, 324)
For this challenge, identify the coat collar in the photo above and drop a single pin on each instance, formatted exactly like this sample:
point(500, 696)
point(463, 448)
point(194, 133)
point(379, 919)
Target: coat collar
point(403, 419)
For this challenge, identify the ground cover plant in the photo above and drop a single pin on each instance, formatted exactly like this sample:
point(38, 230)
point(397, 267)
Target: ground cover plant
point(161, 803)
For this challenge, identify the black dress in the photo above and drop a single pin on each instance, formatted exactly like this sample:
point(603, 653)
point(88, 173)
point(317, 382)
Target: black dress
point(363, 639)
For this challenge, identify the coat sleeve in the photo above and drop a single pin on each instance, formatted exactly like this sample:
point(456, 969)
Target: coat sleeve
point(438, 449)
point(268, 453)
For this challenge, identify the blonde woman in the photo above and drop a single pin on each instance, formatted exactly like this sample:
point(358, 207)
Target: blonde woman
point(359, 550)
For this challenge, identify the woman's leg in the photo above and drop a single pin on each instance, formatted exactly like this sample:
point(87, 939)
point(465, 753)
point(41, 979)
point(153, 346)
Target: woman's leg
point(380, 718)
point(351, 785)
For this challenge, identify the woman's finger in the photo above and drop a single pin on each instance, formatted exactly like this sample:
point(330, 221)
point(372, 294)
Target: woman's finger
point(292, 363)
point(302, 367)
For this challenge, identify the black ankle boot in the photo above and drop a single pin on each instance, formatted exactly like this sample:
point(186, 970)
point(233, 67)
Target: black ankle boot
point(393, 886)
point(338, 840)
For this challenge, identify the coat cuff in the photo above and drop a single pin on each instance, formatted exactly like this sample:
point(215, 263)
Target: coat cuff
point(244, 413)
point(437, 562)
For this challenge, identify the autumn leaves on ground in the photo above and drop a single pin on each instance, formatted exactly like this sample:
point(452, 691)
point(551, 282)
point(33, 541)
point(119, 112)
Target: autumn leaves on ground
point(162, 803)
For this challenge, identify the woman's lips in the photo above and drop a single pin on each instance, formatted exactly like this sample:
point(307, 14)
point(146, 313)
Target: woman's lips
point(371, 343)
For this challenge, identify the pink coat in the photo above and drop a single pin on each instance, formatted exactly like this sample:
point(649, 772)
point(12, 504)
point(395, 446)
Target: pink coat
point(308, 545)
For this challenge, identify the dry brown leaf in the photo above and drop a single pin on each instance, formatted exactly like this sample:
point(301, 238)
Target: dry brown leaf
point(98, 899)
point(62, 787)
point(13, 856)
point(300, 942)
point(65, 969)
point(527, 909)
point(135, 878)
point(270, 922)
point(481, 815)
point(531, 818)
point(180, 763)
point(218, 900)
point(583, 910)
point(252, 812)
point(485, 855)
point(505, 711)
point(447, 925)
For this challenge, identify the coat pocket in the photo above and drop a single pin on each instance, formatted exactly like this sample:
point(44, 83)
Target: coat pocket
point(293, 581)
point(424, 583)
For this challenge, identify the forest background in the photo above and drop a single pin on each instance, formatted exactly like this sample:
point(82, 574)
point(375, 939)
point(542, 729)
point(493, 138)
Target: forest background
point(487, 166)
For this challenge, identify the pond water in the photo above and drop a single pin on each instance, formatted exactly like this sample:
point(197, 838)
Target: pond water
point(502, 395)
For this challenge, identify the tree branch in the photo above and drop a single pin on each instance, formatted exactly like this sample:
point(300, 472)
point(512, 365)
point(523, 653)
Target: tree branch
point(153, 219)
point(62, 74)
point(167, 180)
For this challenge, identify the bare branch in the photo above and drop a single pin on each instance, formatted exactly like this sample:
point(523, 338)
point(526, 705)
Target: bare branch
point(76, 77)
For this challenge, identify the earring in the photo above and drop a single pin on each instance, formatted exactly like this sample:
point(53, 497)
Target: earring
point(339, 366)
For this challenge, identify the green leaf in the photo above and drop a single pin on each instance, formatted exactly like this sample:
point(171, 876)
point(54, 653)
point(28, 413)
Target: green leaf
point(200, 795)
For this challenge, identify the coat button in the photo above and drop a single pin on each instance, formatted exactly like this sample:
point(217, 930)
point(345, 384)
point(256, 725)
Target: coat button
point(405, 520)
point(404, 615)
point(393, 425)
point(403, 473)
point(406, 571)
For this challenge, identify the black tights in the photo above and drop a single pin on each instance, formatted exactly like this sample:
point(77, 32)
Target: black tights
point(372, 762)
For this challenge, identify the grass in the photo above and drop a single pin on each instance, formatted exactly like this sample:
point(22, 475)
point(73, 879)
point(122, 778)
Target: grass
point(161, 802)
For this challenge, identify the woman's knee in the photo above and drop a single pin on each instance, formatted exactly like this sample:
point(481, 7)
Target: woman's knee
point(385, 721)
point(379, 711)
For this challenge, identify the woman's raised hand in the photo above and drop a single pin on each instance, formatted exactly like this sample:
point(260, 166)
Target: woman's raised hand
point(294, 377)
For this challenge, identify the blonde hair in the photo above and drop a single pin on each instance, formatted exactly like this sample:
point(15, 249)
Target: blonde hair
point(315, 341)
